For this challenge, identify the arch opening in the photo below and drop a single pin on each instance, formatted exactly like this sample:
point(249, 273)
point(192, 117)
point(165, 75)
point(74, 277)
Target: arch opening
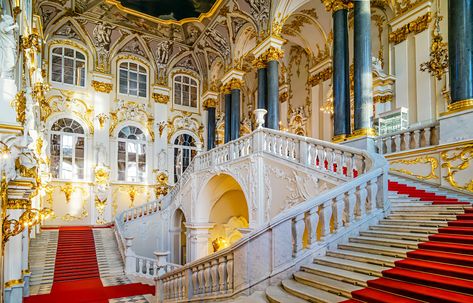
point(179, 238)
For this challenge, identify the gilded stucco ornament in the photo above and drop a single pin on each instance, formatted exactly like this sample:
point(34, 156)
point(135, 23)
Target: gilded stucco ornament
point(102, 87)
point(210, 103)
point(68, 188)
point(320, 77)
point(336, 5)
point(455, 162)
point(19, 103)
point(438, 64)
point(102, 118)
point(418, 25)
point(160, 98)
point(431, 161)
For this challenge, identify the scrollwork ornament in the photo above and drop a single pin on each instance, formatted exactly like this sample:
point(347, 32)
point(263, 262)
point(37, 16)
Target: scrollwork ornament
point(433, 162)
point(438, 64)
point(102, 87)
point(160, 98)
point(463, 158)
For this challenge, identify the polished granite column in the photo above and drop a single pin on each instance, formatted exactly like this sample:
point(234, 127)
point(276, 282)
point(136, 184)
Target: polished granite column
point(273, 55)
point(460, 53)
point(262, 85)
point(211, 123)
point(228, 115)
point(341, 74)
point(235, 117)
point(363, 91)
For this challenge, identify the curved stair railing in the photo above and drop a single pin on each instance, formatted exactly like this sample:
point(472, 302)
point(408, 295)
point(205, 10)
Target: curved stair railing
point(288, 238)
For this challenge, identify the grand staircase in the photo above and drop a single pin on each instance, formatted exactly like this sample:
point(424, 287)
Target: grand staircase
point(421, 252)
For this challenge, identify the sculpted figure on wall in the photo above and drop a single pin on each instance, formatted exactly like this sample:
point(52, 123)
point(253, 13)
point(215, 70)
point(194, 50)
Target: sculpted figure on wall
point(163, 51)
point(219, 41)
point(102, 40)
point(260, 12)
point(8, 47)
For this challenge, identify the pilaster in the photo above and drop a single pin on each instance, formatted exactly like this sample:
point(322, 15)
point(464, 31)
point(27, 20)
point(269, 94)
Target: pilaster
point(161, 96)
point(199, 235)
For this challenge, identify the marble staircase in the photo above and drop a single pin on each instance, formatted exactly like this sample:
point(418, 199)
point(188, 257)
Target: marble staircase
point(349, 267)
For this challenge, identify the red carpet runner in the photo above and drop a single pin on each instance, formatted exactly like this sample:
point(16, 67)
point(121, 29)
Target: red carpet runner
point(76, 273)
point(440, 271)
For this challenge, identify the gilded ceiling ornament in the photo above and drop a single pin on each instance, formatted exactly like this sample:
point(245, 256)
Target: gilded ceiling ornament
point(102, 87)
point(260, 11)
point(160, 98)
point(418, 25)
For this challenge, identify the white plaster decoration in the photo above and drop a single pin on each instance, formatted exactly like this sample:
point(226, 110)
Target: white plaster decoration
point(8, 46)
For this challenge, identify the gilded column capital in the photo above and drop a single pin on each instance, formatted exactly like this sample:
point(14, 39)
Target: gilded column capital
point(210, 103)
point(273, 54)
point(225, 89)
point(102, 87)
point(336, 5)
point(160, 98)
point(259, 63)
point(235, 84)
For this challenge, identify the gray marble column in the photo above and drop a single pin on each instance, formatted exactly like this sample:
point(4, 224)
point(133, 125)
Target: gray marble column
point(235, 119)
point(262, 86)
point(460, 52)
point(363, 91)
point(341, 75)
point(228, 116)
point(211, 127)
point(272, 120)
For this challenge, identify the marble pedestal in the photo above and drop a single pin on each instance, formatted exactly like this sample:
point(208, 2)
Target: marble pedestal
point(14, 294)
point(365, 142)
point(456, 127)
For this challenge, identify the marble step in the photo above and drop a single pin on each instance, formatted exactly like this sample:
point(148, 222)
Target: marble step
point(309, 293)
point(395, 235)
point(375, 249)
point(385, 242)
point(421, 223)
point(355, 266)
point(408, 210)
point(407, 229)
point(420, 216)
point(400, 206)
point(330, 285)
point(276, 294)
point(337, 274)
point(369, 258)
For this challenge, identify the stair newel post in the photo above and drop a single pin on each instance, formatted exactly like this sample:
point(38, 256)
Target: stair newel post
point(326, 216)
point(188, 283)
point(298, 226)
point(159, 290)
point(339, 207)
point(373, 193)
point(311, 221)
point(350, 202)
point(130, 257)
point(213, 273)
point(362, 194)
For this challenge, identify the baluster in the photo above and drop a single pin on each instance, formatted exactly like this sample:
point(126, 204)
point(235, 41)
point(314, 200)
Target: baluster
point(349, 164)
point(417, 138)
point(298, 226)
point(326, 216)
point(148, 266)
point(321, 155)
point(328, 159)
point(380, 142)
point(175, 285)
point(427, 136)
point(221, 274)
point(407, 140)
point(397, 142)
point(373, 193)
point(338, 209)
point(140, 267)
point(362, 194)
point(195, 286)
point(229, 273)
point(208, 283)
point(155, 269)
point(311, 221)
point(389, 144)
point(213, 274)
point(201, 279)
point(350, 201)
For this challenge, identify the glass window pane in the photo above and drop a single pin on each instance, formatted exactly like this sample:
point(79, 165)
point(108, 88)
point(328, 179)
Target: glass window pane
point(80, 56)
point(69, 52)
point(57, 50)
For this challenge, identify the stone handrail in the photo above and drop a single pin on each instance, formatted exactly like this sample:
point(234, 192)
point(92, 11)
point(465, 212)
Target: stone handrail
point(332, 213)
point(424, 135)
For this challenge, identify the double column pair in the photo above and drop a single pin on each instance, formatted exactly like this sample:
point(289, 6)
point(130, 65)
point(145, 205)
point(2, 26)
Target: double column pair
point(363, 90)
point(232, 93)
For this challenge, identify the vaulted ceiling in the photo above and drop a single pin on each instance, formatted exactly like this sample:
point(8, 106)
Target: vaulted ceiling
point(170, 9)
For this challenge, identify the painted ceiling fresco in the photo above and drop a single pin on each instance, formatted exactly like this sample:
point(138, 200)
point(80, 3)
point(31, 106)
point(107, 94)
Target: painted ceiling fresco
point(170, 9)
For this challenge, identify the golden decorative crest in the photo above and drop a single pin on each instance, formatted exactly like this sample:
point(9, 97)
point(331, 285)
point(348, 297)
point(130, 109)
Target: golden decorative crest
point(102, 118)
point(456, 162)
point(102, 87)
point(160, 98)
point(102, 175)
point(19, 103)
point(68, 189)
point(418, 25)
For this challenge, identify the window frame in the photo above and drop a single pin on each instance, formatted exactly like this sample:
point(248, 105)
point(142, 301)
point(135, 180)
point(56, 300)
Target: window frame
point(138, 74)
point(136, 143)
point(75, 60)
point(182, 148)
point(182, 106)
point(62, 134)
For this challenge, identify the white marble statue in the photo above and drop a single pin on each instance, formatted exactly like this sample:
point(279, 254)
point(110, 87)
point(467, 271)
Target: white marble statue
point(8, 46)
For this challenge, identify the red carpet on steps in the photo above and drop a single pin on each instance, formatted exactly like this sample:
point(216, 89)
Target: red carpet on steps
point(76, 273)
point(440, 271)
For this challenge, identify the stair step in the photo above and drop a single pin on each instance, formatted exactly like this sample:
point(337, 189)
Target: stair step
point(386, 242)
point(456, 230)
point(463, 223)
point(337, 274)
point(363, 257)
point(309, 293)
point(436, 268)
point(372, 295)
point(420, 216)
point(409, 229)
point(376, 249)
point(355, 266)
point(440, 256)
point(422, 223)
point(276, 294)
point(448, 247)
point(451, 238)
point(395, 235)
point(330, 285)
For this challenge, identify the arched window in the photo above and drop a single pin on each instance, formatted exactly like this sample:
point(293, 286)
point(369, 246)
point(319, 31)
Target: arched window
point(131, 154)
point(185, 91)
point(184, 151)
point(67, 149)
point(68, 66)
point(133, 79)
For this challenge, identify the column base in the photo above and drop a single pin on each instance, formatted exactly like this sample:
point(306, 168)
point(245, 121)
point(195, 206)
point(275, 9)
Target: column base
point(339, 138)
point(14, 291)
point(362, 142)
point(454, 126)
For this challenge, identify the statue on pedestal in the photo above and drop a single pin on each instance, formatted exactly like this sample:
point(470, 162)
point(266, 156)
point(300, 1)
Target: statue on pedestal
point(8, 46)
